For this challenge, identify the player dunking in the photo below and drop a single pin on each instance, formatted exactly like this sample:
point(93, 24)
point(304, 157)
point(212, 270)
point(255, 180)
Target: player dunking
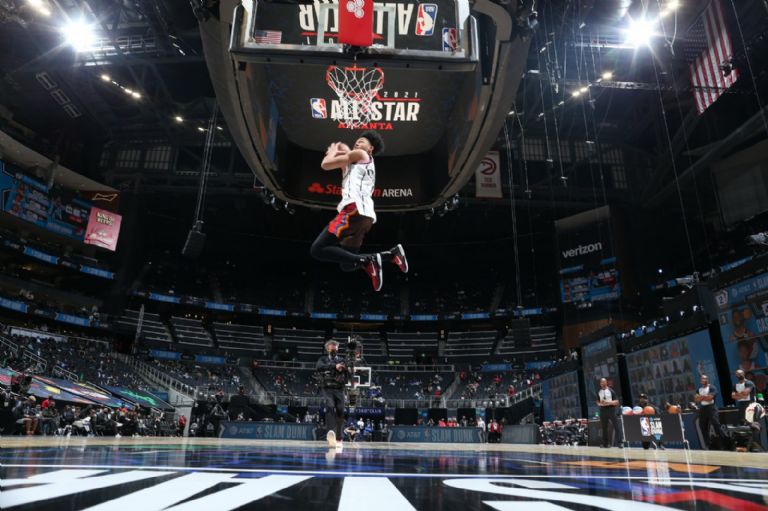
point(341, 240)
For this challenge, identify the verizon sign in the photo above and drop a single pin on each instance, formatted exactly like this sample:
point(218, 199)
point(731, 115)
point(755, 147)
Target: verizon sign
point(583, 250)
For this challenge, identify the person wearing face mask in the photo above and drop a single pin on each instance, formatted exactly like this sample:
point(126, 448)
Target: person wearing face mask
point(333, 374)
point(743, 394)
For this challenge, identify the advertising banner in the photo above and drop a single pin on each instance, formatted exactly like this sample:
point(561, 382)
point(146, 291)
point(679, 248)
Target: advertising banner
point(103, 229)
point(654, 428)
point(431, 434)
point(743, 316)
point(165, 355)
point(670, 372)
point(139, 397)
point(42, 390)
point(83, 390)
point(587, 259)
point(561, 397)
point(599, 360)
point(267, 430)
point(488, 177)
point(13, 305)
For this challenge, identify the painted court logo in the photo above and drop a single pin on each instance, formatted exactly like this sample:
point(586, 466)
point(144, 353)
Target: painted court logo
point(228, 490)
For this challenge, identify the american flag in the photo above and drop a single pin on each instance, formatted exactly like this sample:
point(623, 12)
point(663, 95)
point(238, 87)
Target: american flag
point(267, 36)
point(708, 48)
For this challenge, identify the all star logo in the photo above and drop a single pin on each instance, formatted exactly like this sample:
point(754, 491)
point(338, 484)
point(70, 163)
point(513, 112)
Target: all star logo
point(316, 188)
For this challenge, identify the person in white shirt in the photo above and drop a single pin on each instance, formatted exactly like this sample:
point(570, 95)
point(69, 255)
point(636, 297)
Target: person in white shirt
point(608, 401)
point(341, 240)
point(743, 394)
point(705, 399)
point(481, 425)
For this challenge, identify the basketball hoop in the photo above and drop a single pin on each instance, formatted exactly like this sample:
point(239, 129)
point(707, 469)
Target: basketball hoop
point(356, 88)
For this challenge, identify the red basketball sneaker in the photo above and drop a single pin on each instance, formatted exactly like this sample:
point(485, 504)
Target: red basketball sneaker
point(398, 257)
point(373, 269)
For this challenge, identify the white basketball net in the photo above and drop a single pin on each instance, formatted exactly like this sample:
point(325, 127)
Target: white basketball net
point(356, 88)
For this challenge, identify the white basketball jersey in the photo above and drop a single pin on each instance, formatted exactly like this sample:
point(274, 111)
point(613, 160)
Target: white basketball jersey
point(357, 186)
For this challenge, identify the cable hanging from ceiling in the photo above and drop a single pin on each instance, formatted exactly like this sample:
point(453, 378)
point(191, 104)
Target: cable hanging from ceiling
point(672, 156)
point(684, 129)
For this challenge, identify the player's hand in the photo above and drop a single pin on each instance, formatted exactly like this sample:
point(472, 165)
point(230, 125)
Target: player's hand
point(340, 367)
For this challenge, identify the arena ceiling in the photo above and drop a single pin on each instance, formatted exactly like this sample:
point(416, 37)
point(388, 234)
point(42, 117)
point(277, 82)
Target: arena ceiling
point(145, 71)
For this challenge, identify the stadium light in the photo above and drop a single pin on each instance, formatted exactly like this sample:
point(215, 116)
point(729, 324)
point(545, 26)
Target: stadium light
point(607, 75)
point(40, 6)
point(576, 94)
point(106, 78)
point(179, 118)
point(639, 33)
point(79, 34)
point(583, 89)
point(136, 95)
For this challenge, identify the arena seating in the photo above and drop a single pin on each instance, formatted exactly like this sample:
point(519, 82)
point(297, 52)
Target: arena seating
point(306, 344)
point(214, 377)
point(190, 331)
point(403, 346)
point(470, 345)
point(412, 385)
point(244, 338)
point(479, 385)
point(287, 382)
point(152, 328)
point(542, 344)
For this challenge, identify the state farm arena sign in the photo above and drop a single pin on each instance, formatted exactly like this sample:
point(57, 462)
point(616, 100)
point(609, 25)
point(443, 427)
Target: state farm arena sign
point(378, 193)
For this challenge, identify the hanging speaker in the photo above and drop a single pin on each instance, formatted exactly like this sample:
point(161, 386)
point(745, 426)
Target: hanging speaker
point(193, 247)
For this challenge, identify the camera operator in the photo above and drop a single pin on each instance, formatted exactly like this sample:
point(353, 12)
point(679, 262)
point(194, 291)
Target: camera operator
point(332, 369)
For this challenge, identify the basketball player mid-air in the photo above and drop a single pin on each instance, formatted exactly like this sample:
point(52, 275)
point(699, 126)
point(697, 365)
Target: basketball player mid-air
point(340, 241)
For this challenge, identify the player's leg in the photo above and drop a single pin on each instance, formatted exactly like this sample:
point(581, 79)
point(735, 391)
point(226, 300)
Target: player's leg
point(396, 256)
point(352, 240)
point(330, 417)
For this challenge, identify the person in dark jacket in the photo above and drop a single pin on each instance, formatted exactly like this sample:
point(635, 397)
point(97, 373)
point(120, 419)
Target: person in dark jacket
point(333, 374)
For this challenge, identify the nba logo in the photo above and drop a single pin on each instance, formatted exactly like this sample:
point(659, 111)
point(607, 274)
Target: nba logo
point(318, 108)
point(450, 42)
point(425, 21)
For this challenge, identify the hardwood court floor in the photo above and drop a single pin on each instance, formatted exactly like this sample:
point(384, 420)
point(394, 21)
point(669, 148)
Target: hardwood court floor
point(210, 474)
